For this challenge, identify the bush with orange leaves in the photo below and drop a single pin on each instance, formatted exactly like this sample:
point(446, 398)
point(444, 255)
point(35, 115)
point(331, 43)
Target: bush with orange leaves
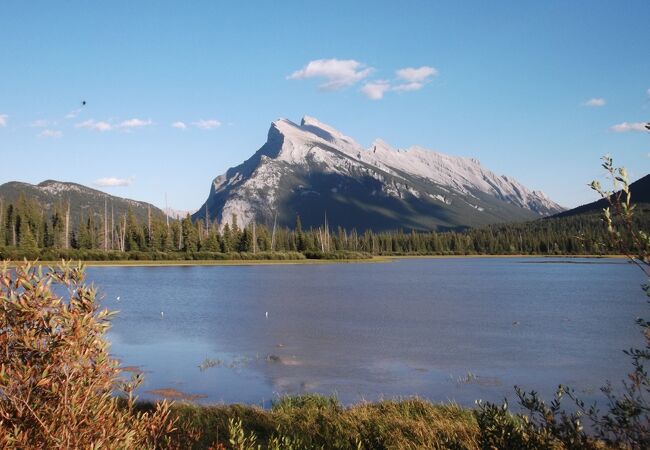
point(57, 380)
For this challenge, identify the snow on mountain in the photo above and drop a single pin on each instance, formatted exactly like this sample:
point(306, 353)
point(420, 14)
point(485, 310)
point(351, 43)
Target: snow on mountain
point(82, 200)
point(312, 169)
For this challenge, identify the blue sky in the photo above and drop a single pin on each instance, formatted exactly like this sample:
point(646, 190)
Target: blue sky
point(535, 90)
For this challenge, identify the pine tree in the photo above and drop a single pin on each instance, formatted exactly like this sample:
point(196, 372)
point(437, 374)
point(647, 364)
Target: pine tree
point(300, 236)
point(190, 235)
point(27, 239)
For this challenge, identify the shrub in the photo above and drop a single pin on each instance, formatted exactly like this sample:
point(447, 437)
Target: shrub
point(56, 376)
point(338, 254)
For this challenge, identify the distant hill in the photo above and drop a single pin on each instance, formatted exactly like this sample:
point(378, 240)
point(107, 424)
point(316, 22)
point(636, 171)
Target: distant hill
point(640, 195)
point(82, 199)
point(314, 171)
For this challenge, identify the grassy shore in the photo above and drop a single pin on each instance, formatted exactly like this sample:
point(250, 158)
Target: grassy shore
point(317, 422)
point(313, 421)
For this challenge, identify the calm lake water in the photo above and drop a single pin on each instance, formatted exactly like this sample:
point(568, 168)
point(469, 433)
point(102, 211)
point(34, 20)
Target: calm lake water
point(443, 329)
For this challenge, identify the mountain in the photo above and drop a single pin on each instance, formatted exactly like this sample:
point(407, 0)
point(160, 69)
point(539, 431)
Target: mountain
point(640, 195)
point(82, 199)
point(315, 171)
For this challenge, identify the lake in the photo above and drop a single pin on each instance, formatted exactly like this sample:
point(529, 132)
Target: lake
point(445, 329)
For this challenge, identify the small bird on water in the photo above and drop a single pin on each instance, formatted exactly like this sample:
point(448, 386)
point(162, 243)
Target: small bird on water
point(162, 314)
point(267, 314)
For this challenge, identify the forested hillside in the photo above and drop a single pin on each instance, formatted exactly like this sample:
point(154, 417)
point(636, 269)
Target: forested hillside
point(27, 230)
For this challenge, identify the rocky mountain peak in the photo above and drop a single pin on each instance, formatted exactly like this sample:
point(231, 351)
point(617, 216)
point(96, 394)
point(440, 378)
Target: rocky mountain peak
point(312, 167)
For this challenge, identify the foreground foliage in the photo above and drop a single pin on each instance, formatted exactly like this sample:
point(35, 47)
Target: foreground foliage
point(315, 422)
point(56, 377)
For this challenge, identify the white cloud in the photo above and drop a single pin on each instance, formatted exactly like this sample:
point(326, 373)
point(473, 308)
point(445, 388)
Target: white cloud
point(406, 87)
point(414, 78)
point(416, 75)
point(72, 114)
point(3, 120)
point(595, 102)
point(126, 125)
point(113, 181)
point(95, 125)
point(336, 73)
point(207, 124)
point(626, 127)
point(375, 90)
point(179, 125)
point(40, 123)
point(134, 123)
point(50, 134)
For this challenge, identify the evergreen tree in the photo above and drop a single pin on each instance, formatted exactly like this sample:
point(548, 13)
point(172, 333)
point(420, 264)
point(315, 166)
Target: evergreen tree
point(190, 235)
point(300, 236)
point(27, 239)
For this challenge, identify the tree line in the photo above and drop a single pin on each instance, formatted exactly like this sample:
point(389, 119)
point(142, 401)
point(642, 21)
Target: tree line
point(27, 227)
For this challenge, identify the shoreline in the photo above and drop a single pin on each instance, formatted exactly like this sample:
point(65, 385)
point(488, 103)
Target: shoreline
point(269, 262)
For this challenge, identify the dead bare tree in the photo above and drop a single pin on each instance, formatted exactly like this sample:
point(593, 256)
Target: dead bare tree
point(149, 223)
point(66, 238)
point(123, 235)
point(112, 226)
point(254, 239)
point(275, 223)
point(1, 220)
point(207, 220)
point(180, 233)
point(105, 223)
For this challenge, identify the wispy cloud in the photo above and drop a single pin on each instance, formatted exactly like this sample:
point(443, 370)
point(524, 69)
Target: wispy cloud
point(4, 118)
point(94, 125)
point(179, 125)
point(595, 102)
point(406, 80)
point(207, 124)
point(55, 134)
point(407, 87)
point(113, 182)
point(626, 127)
point(73, 114)
point(414, 78)
point(134, 123)
point(416, 74)
point(125, 125)
point(375, 90)
point(40, 123)
point(336, 73)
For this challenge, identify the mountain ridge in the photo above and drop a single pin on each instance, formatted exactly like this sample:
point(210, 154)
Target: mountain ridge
point(640, 190)
point(313, 170)
point(50, 193)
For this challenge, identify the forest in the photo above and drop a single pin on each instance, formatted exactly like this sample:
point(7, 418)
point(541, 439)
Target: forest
point(28, 231)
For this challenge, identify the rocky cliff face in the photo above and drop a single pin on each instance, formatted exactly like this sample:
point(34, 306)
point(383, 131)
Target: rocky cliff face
point(313, 170)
